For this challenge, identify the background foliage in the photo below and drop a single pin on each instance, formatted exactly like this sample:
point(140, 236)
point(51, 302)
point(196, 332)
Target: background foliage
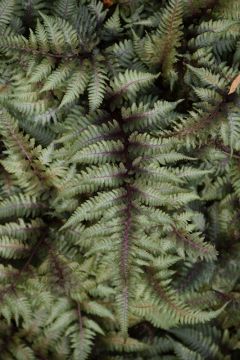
point(120, 179)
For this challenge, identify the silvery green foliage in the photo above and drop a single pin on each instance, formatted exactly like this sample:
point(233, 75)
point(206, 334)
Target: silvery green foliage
point(119, 182)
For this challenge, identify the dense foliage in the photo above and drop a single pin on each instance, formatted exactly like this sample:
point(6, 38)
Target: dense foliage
point(120, 179)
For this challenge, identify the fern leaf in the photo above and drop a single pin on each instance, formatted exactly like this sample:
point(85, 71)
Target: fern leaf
point(76, 86)
point(12, 248)
point(20, 205)
point(65, 8)
point(96, 86)
point(94, 207)
point(6, 11)
point(130, 82)
point(101, 152)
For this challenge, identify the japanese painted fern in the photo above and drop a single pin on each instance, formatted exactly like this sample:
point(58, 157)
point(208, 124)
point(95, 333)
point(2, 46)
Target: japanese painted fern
point(120, 179)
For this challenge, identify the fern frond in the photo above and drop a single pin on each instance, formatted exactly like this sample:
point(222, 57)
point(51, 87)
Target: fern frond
point(112, 27)
point(76, 86)
point(101, 152)
point(166, 39)
point(12, 248)
point(130, 82)
point(96, 86)
point(65, 8)
point(119, 197)
point(96, 178)
point(142, 117)
point(6, 11)
point(93, 208)
point(19, 206)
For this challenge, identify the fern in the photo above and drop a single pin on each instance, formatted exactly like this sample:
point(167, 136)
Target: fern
point(119, 181)
point(96, 87)
point(64, 8)
point(6, 11)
